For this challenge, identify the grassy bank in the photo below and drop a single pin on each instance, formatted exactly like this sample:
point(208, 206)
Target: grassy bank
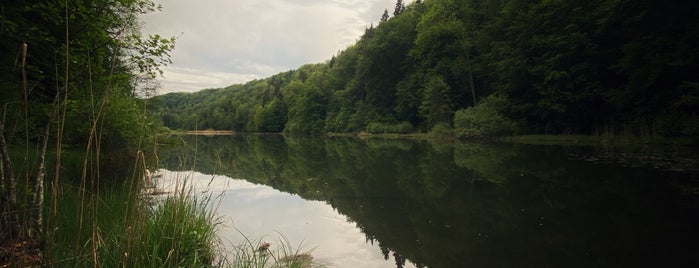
point(117, 227)
point(107, 220)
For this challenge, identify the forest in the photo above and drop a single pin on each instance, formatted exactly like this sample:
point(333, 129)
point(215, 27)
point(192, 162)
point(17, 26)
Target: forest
point(481, 68)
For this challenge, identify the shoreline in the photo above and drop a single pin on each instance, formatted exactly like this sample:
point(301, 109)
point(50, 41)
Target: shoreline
point(524, 139)
point(205, 132)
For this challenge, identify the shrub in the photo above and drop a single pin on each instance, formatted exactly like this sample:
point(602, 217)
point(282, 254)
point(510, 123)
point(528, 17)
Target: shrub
point(399, 128)
point(375, 128)
point(442, 130)
point(484, 121)
point(403, 128)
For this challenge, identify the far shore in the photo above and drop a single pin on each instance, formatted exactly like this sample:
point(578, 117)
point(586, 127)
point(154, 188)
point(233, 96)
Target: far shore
point(527, 139)
point(206, 132)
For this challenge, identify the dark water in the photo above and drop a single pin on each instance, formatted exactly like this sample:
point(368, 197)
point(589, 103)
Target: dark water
point(388, 203)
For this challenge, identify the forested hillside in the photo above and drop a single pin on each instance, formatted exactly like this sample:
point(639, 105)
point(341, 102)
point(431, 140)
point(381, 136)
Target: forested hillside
point(482, 67)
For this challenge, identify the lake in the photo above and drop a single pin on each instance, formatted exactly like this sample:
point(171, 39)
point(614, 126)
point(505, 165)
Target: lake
point(411, 203)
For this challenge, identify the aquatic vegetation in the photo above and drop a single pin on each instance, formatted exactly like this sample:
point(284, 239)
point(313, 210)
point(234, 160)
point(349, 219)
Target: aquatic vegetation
point(259, 254)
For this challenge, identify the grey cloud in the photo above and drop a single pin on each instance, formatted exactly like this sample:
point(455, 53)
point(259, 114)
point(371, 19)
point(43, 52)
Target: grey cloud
point(248, 39)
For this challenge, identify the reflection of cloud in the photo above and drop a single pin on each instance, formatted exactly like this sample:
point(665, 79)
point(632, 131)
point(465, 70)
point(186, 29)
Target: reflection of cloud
point(258, 211)
point(248, 39)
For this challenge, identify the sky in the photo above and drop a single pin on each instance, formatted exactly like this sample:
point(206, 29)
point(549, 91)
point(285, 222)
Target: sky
point(225, 42)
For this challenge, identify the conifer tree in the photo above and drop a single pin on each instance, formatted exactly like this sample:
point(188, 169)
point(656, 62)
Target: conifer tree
point(399, 8)
point(384, 17)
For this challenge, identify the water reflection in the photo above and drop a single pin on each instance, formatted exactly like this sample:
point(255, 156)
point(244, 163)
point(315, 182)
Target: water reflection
point(452, 204)
point(259, 211)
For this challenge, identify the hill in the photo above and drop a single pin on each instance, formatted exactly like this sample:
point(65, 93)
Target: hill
point(482, 67)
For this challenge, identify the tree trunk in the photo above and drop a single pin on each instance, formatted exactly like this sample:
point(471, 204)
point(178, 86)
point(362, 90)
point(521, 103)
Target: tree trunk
point(470, 76)
point(10, 216)
point(38, 202)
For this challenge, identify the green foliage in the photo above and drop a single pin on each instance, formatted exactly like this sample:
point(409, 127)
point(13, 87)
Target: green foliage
point(307, 113)
point(399, 128)
point(113, 207)
point(436, 106)
point(487, 162)
point(442, 131)
point(108, 63)
point(73, 70)
point(484, 121)
point(178, 231)
point(566, 67)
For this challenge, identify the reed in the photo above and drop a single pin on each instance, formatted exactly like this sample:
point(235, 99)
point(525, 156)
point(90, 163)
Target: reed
point(260, 254)
point(176, 231)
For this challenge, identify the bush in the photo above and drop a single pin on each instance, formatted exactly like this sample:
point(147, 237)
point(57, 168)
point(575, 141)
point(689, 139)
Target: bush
point(442, 130)
point(178, 231)
point(399, 128)
point(484, 121)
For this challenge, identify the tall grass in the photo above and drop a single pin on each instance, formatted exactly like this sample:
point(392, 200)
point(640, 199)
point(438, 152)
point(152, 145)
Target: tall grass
point(177, 231)
point(110, 214)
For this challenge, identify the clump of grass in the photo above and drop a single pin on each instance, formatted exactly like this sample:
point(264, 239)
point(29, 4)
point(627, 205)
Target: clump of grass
point(178, 231)
point(260, 254)
point(104, 214)
point(135, 229)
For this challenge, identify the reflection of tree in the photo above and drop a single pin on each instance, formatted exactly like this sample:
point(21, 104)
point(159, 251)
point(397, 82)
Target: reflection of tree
point(423, 205)
point(385, 251)
point(400, 261)
point(488, 161)
point(397, 192)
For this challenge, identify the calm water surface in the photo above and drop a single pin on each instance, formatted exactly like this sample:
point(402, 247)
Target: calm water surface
point(401, 203)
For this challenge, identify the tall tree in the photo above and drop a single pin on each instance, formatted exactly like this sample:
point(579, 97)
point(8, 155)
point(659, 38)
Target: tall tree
point(437, 101)
point(399, 8)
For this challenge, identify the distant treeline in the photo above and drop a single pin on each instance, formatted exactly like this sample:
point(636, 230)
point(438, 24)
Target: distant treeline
point(583, 67)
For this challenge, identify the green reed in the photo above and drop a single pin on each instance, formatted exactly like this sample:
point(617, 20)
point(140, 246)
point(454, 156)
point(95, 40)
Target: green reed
point(136, 230)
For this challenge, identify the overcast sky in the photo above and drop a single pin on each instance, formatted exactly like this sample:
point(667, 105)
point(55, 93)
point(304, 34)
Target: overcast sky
point(224, 42)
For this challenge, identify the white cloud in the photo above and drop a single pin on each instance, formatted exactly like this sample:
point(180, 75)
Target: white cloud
point(180, 79)
point(221, 42)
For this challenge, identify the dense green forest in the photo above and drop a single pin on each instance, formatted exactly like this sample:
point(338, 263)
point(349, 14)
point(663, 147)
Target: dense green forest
point(481, 67)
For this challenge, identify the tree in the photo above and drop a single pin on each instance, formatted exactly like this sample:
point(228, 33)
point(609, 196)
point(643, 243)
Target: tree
point(565, 66)
point(399, 8)
point(307, 115)
point(442, 47)
point(437, 101)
